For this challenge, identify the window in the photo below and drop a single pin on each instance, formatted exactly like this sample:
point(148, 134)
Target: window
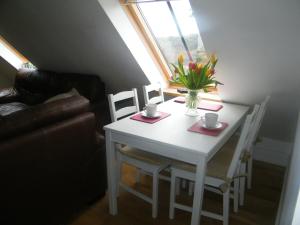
point(169, 28)
point(12, 56)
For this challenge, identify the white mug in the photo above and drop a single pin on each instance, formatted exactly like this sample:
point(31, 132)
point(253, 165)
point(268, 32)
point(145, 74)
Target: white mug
point(211, 119)
point(151, 109)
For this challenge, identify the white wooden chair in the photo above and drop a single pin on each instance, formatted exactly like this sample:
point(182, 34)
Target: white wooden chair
point(150, 88)
point(247, 159)
point(260, 117)
point(222, 170)
point(150, 163)
point(148, 98)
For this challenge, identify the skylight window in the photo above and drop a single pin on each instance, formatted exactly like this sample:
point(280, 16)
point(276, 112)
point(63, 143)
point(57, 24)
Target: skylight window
point(173, 28)
point(13, 57)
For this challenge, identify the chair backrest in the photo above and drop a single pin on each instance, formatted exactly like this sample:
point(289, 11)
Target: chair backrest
point(261, 116)
point(243, 141)
point(153, 87)
point(257, 124)
point(128, 110)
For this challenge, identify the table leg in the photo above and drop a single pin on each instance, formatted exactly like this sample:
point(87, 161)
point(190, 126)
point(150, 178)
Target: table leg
point(111, 173)
point(198, 194)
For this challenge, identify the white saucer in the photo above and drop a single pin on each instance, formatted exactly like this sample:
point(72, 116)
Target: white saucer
point(218, 125)
point(157, 114)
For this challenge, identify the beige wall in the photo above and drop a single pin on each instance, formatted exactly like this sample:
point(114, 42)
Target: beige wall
point(7, 74)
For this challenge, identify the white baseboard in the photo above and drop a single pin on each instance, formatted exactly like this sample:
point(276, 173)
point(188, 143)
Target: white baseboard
point(273, 151)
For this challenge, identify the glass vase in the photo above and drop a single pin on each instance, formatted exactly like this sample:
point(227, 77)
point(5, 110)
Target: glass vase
point(192, 100)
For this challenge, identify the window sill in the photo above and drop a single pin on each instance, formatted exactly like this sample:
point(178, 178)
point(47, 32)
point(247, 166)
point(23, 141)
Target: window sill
point(172, 91)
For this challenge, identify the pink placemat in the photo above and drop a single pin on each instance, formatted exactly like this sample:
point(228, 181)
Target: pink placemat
point(209, 106)
point(180, 100)
point(202, 105)
point(140, 117)
point(197, 127)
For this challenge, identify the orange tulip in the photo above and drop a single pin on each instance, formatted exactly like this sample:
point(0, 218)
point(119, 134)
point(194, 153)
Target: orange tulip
point(210, 72)
point(181, 58)
point(213, 59)
point(199, 68)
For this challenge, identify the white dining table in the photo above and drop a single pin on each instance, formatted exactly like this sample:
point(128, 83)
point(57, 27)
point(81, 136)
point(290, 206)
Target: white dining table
point(170, 138)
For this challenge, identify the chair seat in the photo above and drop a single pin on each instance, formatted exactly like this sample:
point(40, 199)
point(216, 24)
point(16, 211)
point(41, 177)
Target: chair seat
point(143, 156)
point(218, 166)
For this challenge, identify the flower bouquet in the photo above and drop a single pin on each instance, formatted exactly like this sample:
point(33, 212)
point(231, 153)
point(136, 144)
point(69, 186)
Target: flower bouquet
point(195, 77)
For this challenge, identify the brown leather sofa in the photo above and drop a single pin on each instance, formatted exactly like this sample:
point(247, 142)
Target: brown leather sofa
point(33, 87)
point(52, 159)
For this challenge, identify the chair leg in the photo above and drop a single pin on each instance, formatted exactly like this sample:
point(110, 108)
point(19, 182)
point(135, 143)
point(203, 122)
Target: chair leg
point(249, 173)
point(119, 176)
point(191, 188)
point(226, 207)
point(155, 194)
point(172, 195)
point(242, 185)
point(177, 184)
point(236, 195)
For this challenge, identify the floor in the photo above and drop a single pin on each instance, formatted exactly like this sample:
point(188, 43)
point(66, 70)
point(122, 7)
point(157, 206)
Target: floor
point(260, 208)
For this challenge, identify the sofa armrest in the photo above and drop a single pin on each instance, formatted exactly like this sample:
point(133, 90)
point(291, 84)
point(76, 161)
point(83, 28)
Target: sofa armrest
point(8, 95)
point(100, 139)
point(101, 110)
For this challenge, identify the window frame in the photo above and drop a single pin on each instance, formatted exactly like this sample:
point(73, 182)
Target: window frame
point(149, 42)
point(10, 48)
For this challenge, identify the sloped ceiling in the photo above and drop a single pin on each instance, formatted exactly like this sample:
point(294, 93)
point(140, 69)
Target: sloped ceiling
point(257, 42)
point(70, 36)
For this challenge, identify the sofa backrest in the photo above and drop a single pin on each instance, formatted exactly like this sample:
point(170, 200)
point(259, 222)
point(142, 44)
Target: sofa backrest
point(35, 86)
point(41, 115)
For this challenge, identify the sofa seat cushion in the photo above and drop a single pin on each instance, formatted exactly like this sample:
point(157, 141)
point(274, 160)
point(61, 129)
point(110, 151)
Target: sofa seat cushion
point(69, 94)
point(9, 108)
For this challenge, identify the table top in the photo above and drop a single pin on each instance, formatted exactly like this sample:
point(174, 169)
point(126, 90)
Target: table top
point(172, 132)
